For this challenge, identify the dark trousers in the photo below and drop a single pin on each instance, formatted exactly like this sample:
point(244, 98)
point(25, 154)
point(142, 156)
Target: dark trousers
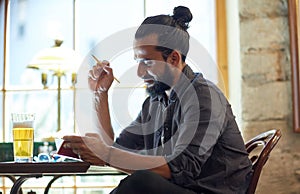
point(147, 182)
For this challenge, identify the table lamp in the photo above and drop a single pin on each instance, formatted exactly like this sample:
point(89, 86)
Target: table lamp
point(57, 60)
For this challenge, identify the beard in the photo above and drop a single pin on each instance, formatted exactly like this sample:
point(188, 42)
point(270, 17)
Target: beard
point(160, 87)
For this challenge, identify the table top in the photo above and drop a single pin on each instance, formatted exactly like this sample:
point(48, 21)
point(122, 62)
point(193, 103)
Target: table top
point(55, 168)
point(44, 167)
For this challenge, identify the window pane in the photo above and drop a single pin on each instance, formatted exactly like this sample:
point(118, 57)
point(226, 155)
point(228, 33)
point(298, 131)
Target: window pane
point(67, 112)
point(44, 105)
point(34, 25)
point(96, 20)
point(102, 20)
point(126, 98)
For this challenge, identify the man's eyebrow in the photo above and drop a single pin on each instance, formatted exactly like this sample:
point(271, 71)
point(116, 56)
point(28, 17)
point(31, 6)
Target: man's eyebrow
point(143, 59)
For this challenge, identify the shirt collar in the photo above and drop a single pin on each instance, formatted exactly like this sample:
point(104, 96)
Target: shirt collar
point(184, 81)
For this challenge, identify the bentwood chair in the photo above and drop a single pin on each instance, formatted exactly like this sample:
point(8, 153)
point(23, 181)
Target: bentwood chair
point(264, 142)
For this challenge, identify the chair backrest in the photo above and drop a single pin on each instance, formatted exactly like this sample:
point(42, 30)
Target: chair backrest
point(266, 142)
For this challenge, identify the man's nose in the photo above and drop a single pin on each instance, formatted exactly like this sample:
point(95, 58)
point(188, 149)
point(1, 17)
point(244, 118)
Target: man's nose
point(142, 70)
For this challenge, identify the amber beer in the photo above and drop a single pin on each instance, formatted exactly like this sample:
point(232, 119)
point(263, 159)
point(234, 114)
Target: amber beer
point(23, 143)
point(23, 136)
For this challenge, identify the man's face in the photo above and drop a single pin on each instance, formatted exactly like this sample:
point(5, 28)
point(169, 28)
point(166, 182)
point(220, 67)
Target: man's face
point(152, 68)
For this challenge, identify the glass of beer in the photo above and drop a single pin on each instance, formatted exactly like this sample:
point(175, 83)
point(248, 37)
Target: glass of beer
point(23, 136)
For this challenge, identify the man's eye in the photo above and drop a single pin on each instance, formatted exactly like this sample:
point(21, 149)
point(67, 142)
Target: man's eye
point(149, 63)
point(146, 62)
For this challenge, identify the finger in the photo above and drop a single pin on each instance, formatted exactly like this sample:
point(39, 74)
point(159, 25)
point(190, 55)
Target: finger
point(102, 64)
point(97, 71)
point(75, 151)
point(72, 138)
point(105, 63)
point(108, 70)
point(73, 146)
point(91, 75)
point(92, 135)
point(90, 78)
point(78, 147)
point(93, 159)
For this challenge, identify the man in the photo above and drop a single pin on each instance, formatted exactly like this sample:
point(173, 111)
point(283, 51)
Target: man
point(185, 139)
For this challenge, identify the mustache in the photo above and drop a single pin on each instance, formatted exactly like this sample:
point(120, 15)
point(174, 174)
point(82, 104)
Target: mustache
point(147, 76)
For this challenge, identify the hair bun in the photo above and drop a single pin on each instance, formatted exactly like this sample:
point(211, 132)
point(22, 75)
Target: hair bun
point(183, 16)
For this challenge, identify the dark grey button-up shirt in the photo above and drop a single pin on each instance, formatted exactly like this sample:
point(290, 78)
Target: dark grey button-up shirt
point(196, 131)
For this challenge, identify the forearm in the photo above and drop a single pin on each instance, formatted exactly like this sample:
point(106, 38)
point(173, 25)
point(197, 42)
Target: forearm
point(129, 162)
point(103, 116)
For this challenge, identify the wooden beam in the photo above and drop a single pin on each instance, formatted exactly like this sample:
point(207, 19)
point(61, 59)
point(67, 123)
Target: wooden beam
point(221, 33)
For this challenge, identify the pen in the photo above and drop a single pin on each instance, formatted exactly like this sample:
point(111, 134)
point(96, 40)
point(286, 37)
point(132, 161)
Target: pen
point(98, 61)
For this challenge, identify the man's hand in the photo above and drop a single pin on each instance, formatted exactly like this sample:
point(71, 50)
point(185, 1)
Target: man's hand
point(100, 77)
point(90, 148)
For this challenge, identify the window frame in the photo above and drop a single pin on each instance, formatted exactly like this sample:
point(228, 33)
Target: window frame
point(221, 57)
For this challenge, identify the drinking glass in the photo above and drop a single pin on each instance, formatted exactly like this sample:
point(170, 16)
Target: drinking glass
point(23, 136)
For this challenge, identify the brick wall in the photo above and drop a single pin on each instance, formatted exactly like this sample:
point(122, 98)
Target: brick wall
point(266, 89)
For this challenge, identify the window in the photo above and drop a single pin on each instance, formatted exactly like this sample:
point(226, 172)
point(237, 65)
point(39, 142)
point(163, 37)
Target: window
point(32, 25)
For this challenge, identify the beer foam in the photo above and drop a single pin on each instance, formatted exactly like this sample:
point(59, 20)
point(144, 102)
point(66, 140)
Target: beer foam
point(23, 124)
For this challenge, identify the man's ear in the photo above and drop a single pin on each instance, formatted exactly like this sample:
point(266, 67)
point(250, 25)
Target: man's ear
point(175, 58)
